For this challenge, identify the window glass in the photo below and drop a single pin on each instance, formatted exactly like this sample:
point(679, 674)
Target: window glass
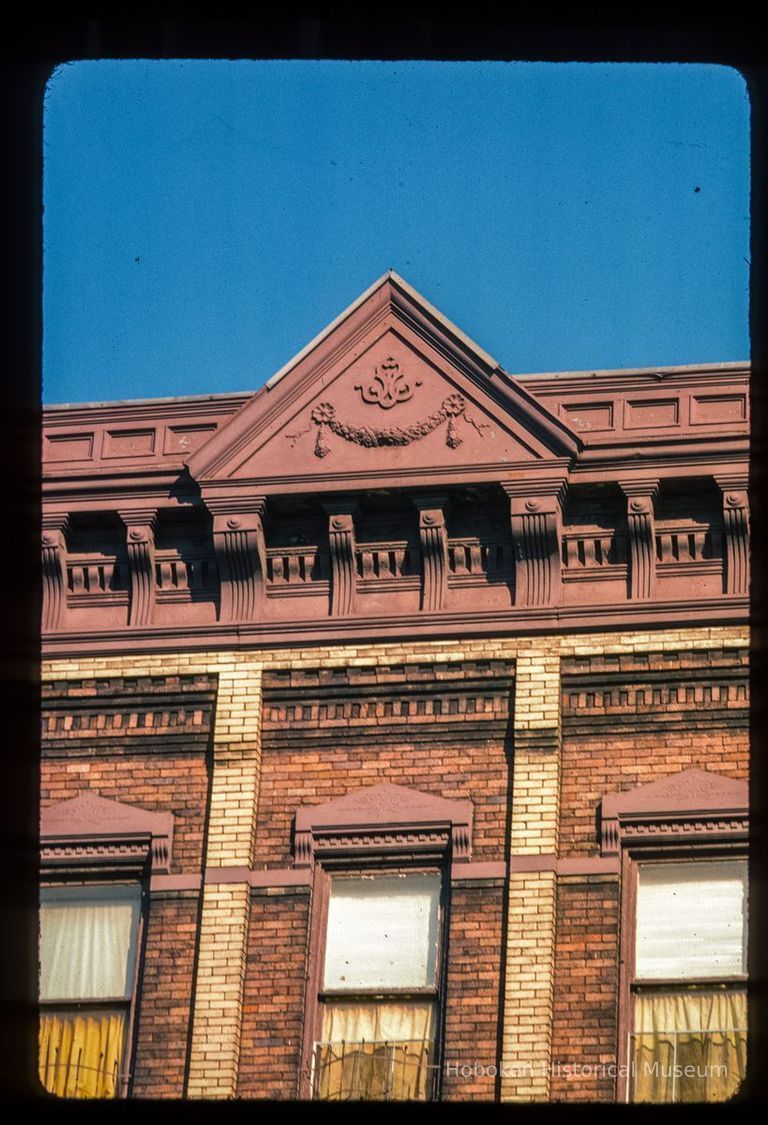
point(689, 1037)
point(382, 932)
point(691, 920)
point(88, 942)
point(88, 948)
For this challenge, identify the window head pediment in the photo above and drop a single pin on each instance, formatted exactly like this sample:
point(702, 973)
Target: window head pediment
point(693, 806)
point(92, 830)
point(383, 820)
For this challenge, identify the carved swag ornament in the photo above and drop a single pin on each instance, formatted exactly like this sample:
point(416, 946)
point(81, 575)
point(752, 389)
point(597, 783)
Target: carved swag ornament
point(324, 417)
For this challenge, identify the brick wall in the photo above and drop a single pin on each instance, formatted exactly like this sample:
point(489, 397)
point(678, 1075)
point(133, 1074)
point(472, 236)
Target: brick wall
point(273, 1000)
point(443, 729)
point(165, 1008)
point(472, 997)
point(633, 719)
point(144, 741)
point(635, 707)
point(585, 989)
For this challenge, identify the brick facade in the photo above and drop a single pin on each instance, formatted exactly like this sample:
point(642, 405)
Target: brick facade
point(585, 988)
point(526, 597)
point(165, 1009)
point(273, 1018)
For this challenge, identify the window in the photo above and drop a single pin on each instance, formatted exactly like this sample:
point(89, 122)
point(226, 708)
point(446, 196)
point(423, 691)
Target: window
point(379, 993)
point(372, 1019)
point(681, 843)
point(89, 937)
point(95, 856)
point(688, 998)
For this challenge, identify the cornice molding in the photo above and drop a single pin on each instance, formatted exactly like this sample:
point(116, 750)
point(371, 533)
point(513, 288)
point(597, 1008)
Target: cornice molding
point(128, 410)
point(635, 379)
point(171, 487)
point(513, 622)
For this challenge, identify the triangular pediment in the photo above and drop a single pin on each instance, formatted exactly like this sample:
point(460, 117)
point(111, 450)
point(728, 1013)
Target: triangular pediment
point(93, 816)
point(685, 792)
point(390, 389)
point(384, 804)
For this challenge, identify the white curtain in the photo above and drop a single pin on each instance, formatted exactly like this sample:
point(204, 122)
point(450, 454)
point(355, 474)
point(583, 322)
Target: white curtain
point(378, 1023)
point(689, 1046)
point(376, 1052)
point(88, 942)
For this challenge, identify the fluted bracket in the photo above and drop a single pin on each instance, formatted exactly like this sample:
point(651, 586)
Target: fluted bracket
point(238, 541)
point(140, 543)
point(733, 487)
point(54, 558)
point(341, 542)
point(536, 519)
point(434, 550)
point(640, 496)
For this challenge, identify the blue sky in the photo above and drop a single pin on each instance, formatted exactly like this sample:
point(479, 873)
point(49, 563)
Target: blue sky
point(203, 220)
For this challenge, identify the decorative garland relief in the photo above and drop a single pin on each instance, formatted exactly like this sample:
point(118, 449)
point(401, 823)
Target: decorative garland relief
point(387, 391)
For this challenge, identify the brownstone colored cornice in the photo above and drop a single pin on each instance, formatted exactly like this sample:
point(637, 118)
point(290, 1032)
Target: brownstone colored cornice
point(383, 819)
point(93, 831)
point(666, 445)
point(320, 481)
point(691, 806)
point(193, 408)
point(601, 466)
point(520, 622)
point(97, 489)
point(637, 378)
point(167, 485)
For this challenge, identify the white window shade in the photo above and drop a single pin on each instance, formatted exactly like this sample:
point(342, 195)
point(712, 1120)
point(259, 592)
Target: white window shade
point(382, 932)
point(88, 942)
point(691, 920)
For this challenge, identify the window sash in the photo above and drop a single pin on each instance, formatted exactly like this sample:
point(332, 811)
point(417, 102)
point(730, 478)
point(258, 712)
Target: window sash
point(382, 933)
point(101, 924)
point(691, 920)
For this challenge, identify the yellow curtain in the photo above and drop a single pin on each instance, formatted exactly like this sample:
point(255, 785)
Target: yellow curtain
point(81, 1053)
point(689, 1046)
point(375, 1052)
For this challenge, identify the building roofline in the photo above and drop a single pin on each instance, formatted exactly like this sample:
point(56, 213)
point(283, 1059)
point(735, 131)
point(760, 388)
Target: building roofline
point(672, 369)
point(148, 401)
point(731, 365)
point(401, 283)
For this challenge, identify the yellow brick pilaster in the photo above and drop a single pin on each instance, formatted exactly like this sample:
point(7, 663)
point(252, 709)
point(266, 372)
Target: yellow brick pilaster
point(215, 1048)
point(215, 1053)
point(531, 906)
point(529, 987)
